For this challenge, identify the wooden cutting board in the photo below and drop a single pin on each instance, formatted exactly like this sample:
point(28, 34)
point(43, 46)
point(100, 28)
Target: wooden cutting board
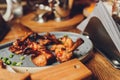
point(70, 70)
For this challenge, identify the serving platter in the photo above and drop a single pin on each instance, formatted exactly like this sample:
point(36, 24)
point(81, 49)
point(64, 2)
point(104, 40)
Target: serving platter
point(27, 65)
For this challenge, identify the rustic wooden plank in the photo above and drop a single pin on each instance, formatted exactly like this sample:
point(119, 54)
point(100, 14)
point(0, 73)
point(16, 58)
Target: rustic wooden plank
point(6, 75)
point(70, 70)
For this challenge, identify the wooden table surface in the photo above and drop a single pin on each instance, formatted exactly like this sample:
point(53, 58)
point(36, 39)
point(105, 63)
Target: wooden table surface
point(99, 65)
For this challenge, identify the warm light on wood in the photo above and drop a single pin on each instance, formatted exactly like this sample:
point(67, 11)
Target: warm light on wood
point(50, 25)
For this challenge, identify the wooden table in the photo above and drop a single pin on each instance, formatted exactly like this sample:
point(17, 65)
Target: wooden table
point(99, 65)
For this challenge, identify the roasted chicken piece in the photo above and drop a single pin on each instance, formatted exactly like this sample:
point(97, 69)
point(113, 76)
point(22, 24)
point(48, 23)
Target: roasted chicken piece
point(43, 59)
point(39, 60)
point(33, 44)
point(20, 44)
point(40, 48)
point(66, 41)
point(17, 47)
point(48, 39)
point(61, 52)
point(45, 49)
point(64, 50)
point(78, 42)
point(41, 52)
point(52, 38)
point(44, 41)
point(26, 36)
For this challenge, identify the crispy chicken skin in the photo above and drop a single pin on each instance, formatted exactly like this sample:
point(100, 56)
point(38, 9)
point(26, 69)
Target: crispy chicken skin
point(64, 50)
point(67, 42)
point(61, 52)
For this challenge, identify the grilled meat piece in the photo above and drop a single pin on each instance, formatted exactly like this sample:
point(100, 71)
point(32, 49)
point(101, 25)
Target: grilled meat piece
point(39, 60)
point(45, 49)
point(64, 50)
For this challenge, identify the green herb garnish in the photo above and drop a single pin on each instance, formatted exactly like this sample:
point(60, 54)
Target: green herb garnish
point(22, 58)
point(8, 62)
point(14, 63)
point(4, 59)
point(11, 56)
point(19, 63)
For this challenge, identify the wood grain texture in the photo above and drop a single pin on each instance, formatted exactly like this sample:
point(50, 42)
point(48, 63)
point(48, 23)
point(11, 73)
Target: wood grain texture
point(70, 70)
point(50, 25)
point(102, 69)
point(6, 75)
